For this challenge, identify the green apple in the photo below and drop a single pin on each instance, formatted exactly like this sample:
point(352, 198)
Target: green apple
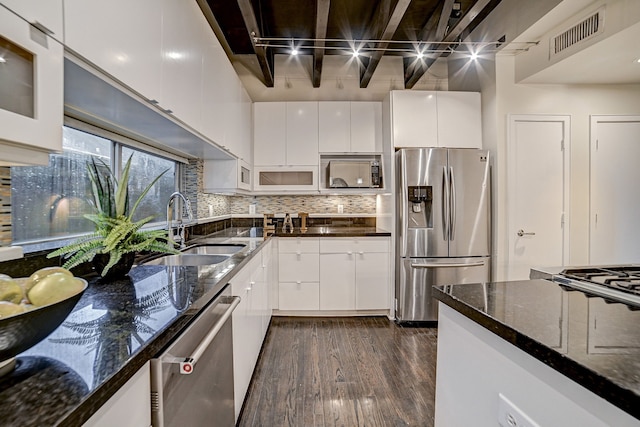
point(53, 288)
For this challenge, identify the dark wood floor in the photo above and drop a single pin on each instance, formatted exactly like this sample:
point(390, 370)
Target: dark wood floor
point(343, 372)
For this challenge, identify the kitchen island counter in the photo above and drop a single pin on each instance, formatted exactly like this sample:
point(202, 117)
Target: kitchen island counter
point(589, 341)
point(115, 328)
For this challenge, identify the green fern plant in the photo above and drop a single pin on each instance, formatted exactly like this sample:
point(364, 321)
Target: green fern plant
point(115, 232)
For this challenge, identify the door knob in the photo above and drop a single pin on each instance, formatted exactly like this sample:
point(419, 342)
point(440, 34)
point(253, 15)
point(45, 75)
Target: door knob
point(522, 233)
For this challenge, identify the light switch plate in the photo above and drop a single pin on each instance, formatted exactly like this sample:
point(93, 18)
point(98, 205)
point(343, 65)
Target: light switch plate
point(509, 415)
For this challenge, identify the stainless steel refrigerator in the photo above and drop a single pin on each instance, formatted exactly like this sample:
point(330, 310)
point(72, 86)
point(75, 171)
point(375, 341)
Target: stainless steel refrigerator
point(443, 225)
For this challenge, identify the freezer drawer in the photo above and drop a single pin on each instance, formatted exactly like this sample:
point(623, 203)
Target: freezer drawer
point(417, 276)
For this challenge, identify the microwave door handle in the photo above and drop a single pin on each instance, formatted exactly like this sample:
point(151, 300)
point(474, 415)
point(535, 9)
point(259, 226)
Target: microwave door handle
point(187, 364)
point(445, 203)
point(452, 209)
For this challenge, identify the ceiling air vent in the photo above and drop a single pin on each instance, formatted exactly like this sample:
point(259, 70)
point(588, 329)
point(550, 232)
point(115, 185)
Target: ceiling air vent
point(584, 30)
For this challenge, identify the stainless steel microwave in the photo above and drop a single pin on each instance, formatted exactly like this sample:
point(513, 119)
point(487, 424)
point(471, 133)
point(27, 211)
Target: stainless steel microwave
point(354, 174)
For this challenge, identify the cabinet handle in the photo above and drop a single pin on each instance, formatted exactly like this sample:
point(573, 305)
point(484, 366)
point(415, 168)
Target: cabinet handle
point(298, 282)
point(349, 253)
point(37, 25)
point(298, 253)
point(360, 253)
point(187, 364)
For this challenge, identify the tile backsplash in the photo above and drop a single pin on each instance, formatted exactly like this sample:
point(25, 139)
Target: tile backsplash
point(5, 206)
point(207, 205)
point(311, 204)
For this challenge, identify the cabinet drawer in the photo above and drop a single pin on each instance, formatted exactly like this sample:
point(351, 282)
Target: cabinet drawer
point(364, 244)
point(299, 267)
point(299, 296)
point(298, 245)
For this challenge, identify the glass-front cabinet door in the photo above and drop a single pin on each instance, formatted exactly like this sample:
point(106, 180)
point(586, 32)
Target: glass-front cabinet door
point(31, 92)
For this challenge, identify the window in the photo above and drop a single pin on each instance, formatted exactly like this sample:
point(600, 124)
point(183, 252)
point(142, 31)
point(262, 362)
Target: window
point(49, 202)
point(144, 169)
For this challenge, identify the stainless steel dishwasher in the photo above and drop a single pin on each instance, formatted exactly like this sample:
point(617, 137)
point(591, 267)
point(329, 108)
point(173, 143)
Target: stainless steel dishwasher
point(192, 381)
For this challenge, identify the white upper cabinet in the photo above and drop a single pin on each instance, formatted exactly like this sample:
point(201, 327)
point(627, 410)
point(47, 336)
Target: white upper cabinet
point(226, 106)
point(459, 120)
point(122, 37)
point(45, 15)
point(183, 38)
point(436, 119)
point(366, 127)
point(285, 133)
point(334, 127)
point(270, 133)
point(239, 124)
point(216, 91)
point(350, 127)
point(414, 119)
point(302, 133)
point(31, 93)
point(166, 51)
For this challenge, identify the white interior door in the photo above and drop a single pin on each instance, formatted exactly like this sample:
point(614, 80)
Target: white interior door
point(538, 193)
point(615, 197)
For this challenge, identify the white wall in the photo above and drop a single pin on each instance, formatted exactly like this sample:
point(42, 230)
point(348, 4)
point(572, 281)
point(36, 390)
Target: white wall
point(577, 101)
point(494, 77)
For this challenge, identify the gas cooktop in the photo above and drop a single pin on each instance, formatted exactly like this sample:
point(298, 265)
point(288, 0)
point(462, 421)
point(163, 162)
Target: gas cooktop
point(619, 283)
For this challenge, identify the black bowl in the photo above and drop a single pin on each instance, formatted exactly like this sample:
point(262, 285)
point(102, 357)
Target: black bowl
point(22, 331)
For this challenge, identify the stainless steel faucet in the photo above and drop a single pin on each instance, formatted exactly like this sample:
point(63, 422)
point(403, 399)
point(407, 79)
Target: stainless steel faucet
point(180, 227)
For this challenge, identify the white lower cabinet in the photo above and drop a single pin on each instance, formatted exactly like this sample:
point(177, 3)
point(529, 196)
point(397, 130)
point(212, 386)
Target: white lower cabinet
point(354, 273)
point(334, 274)
point(372, 280)
point(337, 281)
point(249, 322)
point(298, 274)
point(129, 406)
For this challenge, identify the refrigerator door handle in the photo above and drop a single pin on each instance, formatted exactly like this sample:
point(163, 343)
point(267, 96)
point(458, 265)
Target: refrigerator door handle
point(446, 197)
point(449, 265)
point(452, 209)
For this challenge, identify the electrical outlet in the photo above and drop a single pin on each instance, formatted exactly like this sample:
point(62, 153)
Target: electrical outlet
point(509, 415)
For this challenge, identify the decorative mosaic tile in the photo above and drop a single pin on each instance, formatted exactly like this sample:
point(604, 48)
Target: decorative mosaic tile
point(311, 204)
point(5, 206)
point(208, 205)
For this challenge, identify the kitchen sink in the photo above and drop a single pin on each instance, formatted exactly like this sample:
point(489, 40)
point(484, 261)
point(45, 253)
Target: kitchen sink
point(201, 254)
point(188, 259)
point(214, 249)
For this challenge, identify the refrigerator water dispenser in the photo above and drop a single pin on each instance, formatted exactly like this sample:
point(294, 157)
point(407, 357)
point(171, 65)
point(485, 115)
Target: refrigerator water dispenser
point(419, 215)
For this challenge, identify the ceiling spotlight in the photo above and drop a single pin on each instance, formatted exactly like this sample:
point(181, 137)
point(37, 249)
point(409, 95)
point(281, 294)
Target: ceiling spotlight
point(355, 53)
point(473, 56)
point(637, 60)
point(294, 51)
point(420, 55)
point(2, 60)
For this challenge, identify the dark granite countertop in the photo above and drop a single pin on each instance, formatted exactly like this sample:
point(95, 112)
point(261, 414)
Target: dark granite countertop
point(591, 341)
point(333, 231)
point(113, 331)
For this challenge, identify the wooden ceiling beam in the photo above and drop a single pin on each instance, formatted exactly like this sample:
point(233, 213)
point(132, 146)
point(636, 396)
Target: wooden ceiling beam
point(434, 30)
point(390, 21)
point(451, 36)
point(322, 20)
point(264, 59)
